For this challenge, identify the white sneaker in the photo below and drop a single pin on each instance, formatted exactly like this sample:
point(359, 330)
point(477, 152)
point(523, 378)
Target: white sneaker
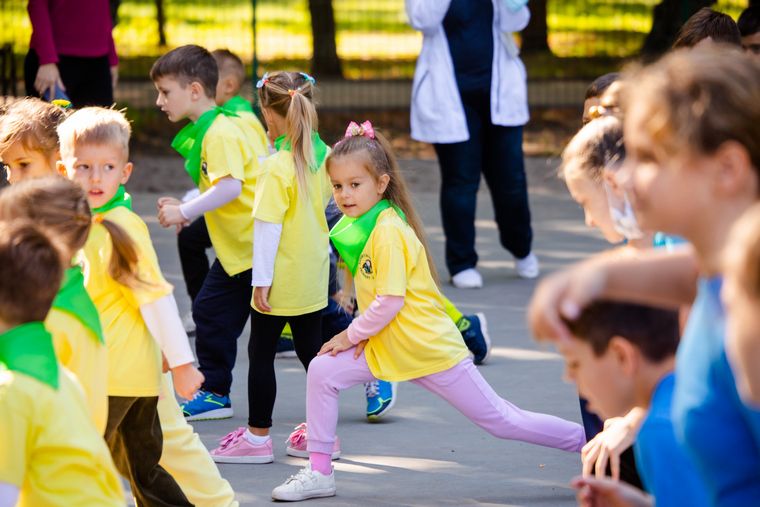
point(527, 267)
point(189, 324)
point(467, 279)
point(307, 483)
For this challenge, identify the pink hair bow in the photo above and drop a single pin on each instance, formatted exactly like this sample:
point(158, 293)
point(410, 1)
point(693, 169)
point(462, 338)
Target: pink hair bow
point(365, 129)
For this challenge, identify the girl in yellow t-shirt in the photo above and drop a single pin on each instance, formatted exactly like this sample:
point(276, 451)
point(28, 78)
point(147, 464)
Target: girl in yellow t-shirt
point(290, 254)
point(403, 332)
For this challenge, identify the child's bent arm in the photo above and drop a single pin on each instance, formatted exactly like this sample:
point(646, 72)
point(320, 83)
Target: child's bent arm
point(266, 241)
point(8, 494)
point(162, 320)
point(225, 190)
point(377, 315)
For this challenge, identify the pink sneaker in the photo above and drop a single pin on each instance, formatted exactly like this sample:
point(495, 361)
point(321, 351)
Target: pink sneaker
point(236, 448)
point(297, 441)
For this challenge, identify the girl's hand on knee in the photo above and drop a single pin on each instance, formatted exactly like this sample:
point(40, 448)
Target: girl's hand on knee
point(260, 298)
point(339, 343)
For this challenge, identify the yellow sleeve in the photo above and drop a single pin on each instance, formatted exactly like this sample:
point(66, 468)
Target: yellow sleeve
point(224, 157)
point(15, 433)
point(153, 285)
point(272, 197)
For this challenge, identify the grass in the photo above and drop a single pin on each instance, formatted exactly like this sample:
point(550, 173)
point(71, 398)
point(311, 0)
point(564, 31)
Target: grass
point(373, 38)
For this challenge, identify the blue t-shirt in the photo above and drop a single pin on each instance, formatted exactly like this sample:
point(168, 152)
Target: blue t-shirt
point(666, 472)
point(469, 31)
point(716, 429)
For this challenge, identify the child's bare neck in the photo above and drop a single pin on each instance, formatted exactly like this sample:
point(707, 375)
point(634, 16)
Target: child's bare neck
point(649, 377)
point(202, 105)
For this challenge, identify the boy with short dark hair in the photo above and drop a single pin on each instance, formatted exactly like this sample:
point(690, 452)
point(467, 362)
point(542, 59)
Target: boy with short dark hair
point(224, 165)
point(708, 26)
point(595, 91)
point(749, 29)
point(50, 451)
point(622, 356)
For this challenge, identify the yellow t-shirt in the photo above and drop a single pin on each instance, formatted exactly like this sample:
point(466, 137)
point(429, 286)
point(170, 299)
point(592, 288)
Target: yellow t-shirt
point(79, 350)
point(134, 358)
point(421, 339)
point(302, 265)
point(49, 447)
point(227, 151)
point(255, 132)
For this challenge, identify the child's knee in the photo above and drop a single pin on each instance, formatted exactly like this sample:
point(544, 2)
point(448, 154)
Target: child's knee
point(319, 370)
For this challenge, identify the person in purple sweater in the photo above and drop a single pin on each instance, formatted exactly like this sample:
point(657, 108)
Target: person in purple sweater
point(72, 49)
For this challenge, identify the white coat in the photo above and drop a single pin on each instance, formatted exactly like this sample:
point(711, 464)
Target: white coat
point(437, 113)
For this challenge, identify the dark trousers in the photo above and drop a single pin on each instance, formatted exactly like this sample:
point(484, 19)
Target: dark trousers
point(87, 80)
point(192, 243)
point(220, 312)
point(265, 332)
point(133, 435)
point(496, 152)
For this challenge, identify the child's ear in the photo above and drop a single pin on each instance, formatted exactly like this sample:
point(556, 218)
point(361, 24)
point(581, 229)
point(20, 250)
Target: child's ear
point(230, 84)
point(61, 168)
point(126, 173)
point(382, 183)
point(626, 355)
point(734, 169)
point(196, 90)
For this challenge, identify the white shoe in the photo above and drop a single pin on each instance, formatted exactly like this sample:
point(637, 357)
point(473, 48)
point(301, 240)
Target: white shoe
point(189, 324)
point(307, 483)
point(467, 279)
point(527, 267)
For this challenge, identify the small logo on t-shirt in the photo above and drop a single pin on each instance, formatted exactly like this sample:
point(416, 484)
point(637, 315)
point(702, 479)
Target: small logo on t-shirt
point(365, 266)
point(204, 168)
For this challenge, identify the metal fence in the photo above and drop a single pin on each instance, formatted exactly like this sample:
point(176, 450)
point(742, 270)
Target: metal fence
point(568, 43)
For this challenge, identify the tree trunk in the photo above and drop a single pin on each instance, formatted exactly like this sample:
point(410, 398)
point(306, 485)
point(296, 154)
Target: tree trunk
point(325, 61)
point(667, 19)
point(161, 22)
point(535, 36)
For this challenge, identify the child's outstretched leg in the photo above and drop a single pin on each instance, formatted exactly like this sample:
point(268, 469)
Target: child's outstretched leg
point(327, 376)
point(466, 390)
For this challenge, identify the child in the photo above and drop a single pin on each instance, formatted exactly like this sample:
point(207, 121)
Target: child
point(290, 254)
point(402, 315)
point(708, 27)
point(595, 91)
point(741, 294)
point(622, 356)
point(137, 313)
point(28, 140)
point(749, 28)
point(694, 163)
point(50, 452)
point(223, 164)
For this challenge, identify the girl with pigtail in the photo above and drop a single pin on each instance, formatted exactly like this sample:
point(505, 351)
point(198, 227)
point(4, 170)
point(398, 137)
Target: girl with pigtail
point(290, 254)
point(403, 332)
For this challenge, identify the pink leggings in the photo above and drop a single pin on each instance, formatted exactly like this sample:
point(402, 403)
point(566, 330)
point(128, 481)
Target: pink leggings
point(462, 386)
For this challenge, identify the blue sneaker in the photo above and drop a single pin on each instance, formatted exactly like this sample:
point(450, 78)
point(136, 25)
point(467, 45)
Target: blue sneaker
point(207, 405)
point(475, 335)
point(381, 396)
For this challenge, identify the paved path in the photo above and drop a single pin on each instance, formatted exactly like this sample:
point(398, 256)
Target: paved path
point(424, 453)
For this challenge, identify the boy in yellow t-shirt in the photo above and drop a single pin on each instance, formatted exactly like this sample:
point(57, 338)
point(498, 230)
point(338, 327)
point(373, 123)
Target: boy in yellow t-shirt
point(222, 161)
point(51, 454)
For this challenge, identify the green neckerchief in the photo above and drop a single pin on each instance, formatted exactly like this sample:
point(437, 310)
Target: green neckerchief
point(74, 300)
point(122, 198)
point(238, 104)
point(350, 235)
point(28, 349)
point(189, 140)
point(320, 149)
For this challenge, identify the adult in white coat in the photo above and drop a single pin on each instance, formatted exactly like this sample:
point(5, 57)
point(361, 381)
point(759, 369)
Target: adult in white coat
point(469, 99)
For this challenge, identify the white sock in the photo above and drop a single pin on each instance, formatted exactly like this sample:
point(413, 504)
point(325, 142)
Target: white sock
point(255, 439)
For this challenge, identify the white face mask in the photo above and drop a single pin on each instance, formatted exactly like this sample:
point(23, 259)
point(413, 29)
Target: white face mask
point(621, 213)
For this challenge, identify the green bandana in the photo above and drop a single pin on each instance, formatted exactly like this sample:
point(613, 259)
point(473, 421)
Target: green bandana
point(350, 235)
point(122, 198)
point(74, 300)
point(238, 104)
point(320, 149)
point(28, 349)
point(189, 140)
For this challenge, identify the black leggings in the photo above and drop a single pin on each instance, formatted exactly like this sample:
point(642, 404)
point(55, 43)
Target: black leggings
point(265, 332)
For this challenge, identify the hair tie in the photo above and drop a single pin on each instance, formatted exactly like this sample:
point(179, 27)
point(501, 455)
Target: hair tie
point(65, 104)
point(264, 80)
point(307, 77)
point(293, 92)
point(97, 218)
point(365, 129)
